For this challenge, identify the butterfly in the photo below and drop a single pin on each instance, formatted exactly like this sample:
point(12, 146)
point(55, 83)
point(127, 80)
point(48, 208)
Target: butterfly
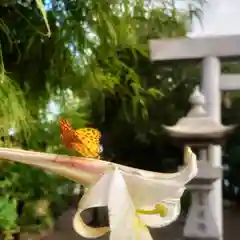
point(86, 141)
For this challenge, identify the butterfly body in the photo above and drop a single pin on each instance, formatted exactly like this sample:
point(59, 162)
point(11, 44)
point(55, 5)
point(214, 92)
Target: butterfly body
point(86, 141)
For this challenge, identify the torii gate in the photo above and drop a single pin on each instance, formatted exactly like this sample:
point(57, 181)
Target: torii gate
point(211, 50)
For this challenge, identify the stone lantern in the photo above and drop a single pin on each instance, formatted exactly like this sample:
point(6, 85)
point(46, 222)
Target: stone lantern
point(198, 130)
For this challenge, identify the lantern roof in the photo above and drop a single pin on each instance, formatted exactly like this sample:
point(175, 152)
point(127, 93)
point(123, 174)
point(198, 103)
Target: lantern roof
point(198, 125)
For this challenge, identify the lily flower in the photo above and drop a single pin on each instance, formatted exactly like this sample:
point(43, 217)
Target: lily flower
point(135, 198)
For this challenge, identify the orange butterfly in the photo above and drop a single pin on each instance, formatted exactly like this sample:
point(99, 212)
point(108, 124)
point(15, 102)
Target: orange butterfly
point(86, 141)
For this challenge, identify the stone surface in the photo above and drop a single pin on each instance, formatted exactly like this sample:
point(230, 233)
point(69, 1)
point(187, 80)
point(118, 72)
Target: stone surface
point(194, 48)
point(207, 174)
point(200, 222)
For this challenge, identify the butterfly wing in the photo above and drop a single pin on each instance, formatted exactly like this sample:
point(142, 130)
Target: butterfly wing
point(86, 141)
point(68, 134)
point(84, 151)
point(89, 142)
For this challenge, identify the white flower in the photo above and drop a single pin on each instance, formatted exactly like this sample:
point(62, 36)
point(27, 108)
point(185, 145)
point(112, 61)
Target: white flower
point(135, 201)
point(135, 198)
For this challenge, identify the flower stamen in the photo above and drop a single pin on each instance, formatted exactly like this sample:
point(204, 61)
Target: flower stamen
point(159, 209)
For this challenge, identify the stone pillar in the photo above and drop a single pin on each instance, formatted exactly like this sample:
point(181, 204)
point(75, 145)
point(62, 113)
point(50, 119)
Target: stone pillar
point(211, 88)
point(200, 222)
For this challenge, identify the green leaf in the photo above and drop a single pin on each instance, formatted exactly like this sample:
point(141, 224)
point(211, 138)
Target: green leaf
point(40, 6)
point(154, 92)
point(8, 213)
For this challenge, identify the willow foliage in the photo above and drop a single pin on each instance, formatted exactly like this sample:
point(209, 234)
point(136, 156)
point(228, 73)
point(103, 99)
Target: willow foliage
point(81, 53)
point(97, 31)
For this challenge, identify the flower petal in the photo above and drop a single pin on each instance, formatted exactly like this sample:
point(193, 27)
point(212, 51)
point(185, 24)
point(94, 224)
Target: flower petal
point(95, 196)
point(111, 191)
point(146, 191)
point(124, 222)
point(88, 172)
